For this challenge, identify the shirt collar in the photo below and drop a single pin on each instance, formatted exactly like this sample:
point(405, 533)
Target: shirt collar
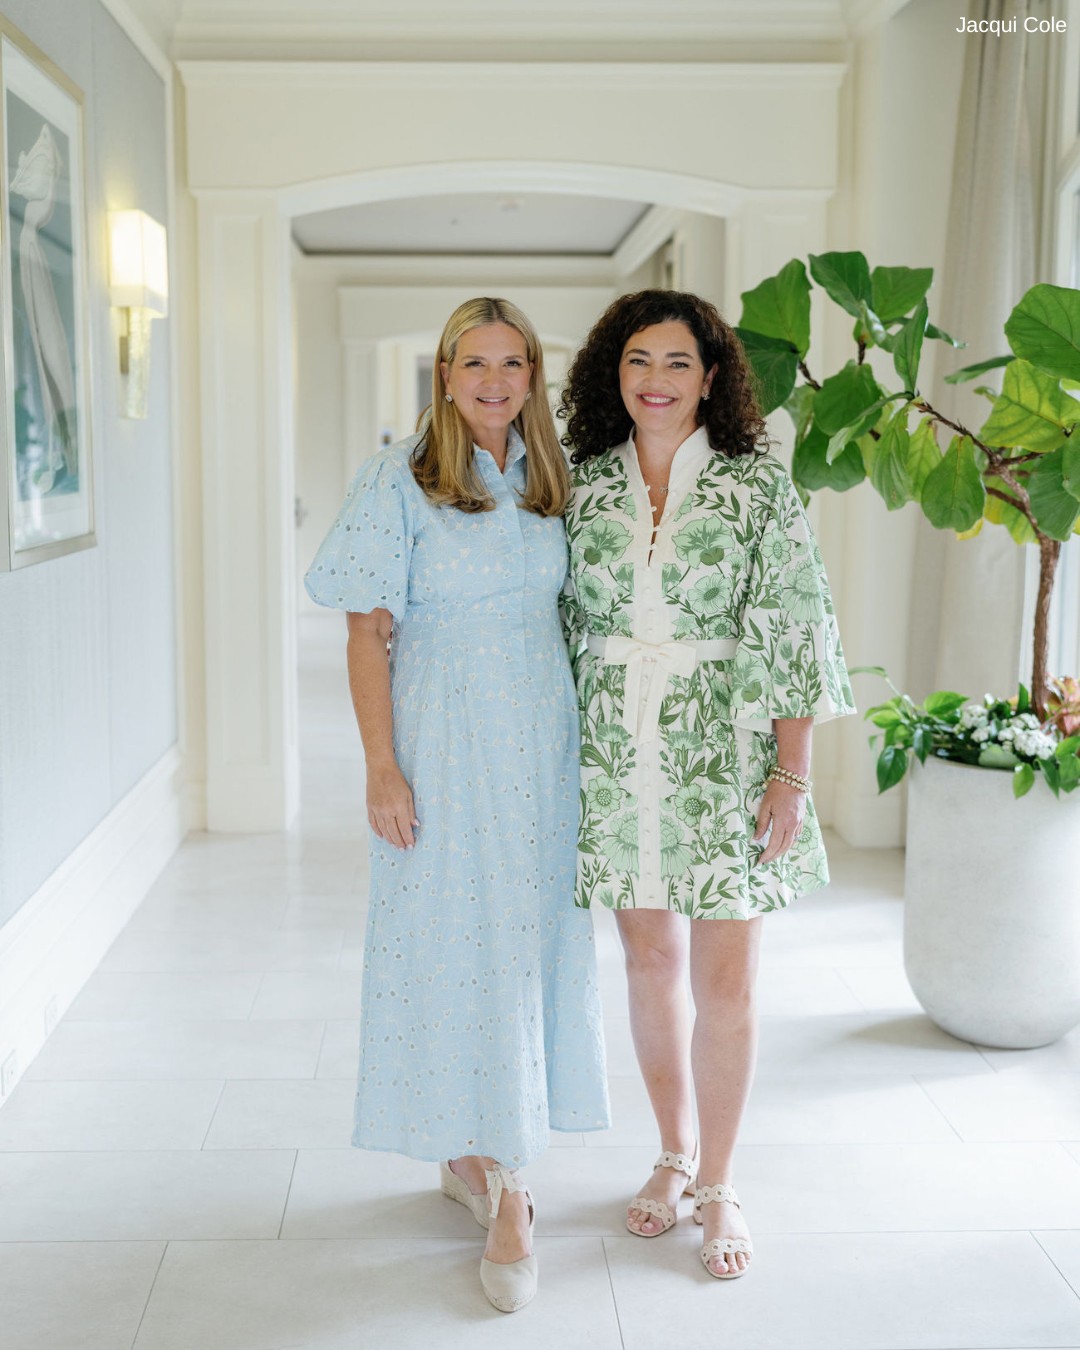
point(690, 458)
point(515, 450)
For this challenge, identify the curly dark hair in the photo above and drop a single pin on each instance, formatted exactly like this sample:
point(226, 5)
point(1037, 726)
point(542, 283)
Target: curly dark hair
point(596, 417)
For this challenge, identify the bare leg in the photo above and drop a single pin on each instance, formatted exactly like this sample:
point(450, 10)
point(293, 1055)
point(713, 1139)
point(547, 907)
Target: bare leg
point(723, 970)
point(508, 1235)
point(656, 944)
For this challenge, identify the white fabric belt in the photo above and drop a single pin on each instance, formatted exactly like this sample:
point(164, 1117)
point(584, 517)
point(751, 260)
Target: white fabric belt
point(641, 703)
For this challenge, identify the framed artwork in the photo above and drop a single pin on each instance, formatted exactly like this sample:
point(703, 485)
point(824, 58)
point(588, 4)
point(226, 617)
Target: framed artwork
point(46, 493)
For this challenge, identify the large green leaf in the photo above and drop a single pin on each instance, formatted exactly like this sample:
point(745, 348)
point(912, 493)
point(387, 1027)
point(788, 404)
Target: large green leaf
point(774, 362)
point(1032, 411)
point(799, 405)
point(891, 767)
point(1054, 507)
point(998, 512)
point(811, 469)
point(845, 277)
point(858, 431)
point(845, 396)
point(953, 494)
point(966, 373)
point(1044, 328)
point(924, 455)
point(894, 291)
point(907, 348)
point(933, 331)
point(780, 306)
point(890, 475)
point(1070, 466)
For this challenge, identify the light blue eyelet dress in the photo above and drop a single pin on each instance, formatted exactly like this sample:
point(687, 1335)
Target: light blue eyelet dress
point(480, 1019)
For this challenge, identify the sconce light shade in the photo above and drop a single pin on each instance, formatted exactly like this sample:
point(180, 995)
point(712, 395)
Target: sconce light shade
point(139, 264)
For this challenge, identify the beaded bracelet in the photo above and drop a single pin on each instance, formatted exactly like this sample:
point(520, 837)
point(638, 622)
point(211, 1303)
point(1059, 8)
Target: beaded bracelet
point(790, 778)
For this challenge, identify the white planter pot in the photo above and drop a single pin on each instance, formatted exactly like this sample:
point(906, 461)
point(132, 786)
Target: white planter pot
point(992, 905)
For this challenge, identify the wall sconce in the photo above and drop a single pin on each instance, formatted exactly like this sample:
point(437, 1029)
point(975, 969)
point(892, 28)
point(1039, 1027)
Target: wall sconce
point(138, 285)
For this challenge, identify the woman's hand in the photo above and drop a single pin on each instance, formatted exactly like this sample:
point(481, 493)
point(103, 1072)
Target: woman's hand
point(785, 807)
point(390, 807)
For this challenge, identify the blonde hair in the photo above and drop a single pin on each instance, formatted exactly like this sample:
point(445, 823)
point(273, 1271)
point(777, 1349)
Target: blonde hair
point(444, 464)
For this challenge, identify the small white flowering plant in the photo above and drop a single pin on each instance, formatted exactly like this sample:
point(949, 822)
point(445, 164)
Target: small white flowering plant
point(998, 733)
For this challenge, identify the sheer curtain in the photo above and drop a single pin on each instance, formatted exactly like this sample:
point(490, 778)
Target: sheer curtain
point(969, 594)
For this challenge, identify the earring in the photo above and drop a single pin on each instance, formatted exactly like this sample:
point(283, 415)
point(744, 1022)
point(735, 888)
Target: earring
point(705, 396)
point(528, 395)
point(449, 398)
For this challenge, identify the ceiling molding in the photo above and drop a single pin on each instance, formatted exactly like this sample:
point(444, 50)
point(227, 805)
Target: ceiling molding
point(708, 76)
point(652, 231)
point(440, 269)
point(288, 26)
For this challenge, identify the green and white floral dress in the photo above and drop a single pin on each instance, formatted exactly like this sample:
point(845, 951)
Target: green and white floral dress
point(684, 656)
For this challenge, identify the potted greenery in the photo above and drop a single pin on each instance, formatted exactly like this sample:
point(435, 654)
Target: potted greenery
point(992, 912)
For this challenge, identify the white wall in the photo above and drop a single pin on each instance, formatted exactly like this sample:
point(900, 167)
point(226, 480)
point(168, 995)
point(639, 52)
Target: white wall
point(88, 652)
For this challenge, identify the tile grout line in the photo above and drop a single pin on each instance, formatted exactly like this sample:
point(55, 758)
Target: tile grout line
point(322, 1043)
point(213, 1115)
point(1072, 1287)
point(149, 1295)
point(922, 1088)
point(288, 1193)
point(611, 1286)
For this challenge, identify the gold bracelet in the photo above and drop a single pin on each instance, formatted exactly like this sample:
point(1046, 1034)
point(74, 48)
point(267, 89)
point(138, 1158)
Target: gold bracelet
point(790, 778)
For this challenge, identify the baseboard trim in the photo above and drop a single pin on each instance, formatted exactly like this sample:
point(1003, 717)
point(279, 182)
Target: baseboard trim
point(53, 944)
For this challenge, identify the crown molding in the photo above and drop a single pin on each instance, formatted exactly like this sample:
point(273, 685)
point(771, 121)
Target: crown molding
point(441, 269)
point(288, 26)
point(706, 76)
point(653, 230)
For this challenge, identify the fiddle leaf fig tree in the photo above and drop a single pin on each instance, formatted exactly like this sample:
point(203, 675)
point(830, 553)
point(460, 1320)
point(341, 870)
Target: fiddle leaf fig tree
point(1019, 470)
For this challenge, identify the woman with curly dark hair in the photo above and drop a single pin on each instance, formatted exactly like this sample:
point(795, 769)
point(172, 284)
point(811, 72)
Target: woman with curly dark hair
point(705, 648)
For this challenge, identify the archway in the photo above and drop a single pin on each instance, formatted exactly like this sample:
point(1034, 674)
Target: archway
point(246, 329)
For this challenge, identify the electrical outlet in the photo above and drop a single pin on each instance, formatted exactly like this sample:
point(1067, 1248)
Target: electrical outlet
point(9, 1071)
point(51, 1015)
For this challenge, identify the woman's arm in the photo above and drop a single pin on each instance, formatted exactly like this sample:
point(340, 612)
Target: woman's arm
point(390, 807)
point(785, 806)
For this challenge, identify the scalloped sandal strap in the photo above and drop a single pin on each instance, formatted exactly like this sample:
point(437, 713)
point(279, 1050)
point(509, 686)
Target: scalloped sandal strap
point(726, 1247)
point(706, 1195)
point(655, 1207)
point(678, 1161)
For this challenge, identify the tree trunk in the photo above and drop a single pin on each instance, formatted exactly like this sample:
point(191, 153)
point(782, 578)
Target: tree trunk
point(1049, 551)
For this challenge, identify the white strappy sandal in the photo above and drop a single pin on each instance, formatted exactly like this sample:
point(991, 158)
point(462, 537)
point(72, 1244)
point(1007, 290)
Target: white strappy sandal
point(679, 1162)
point(705, 1195)
point(508, 1287)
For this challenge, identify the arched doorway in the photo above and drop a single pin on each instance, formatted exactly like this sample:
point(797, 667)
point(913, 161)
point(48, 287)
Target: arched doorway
point(771, 194)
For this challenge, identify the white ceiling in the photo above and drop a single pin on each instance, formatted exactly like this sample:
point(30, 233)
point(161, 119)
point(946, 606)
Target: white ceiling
point(479, 29)
point(476, 222)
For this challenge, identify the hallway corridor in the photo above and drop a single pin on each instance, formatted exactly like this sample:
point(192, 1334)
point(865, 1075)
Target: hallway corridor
point(175, 1169)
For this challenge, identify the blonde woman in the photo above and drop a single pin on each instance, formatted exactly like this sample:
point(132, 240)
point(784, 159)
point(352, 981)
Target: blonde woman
point(480, 1023)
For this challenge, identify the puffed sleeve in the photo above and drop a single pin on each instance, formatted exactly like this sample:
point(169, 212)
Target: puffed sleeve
point(789, 661)
point(363, 563)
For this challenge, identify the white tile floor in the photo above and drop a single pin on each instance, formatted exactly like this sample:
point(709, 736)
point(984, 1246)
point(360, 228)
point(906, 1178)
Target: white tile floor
point(175, 1171)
